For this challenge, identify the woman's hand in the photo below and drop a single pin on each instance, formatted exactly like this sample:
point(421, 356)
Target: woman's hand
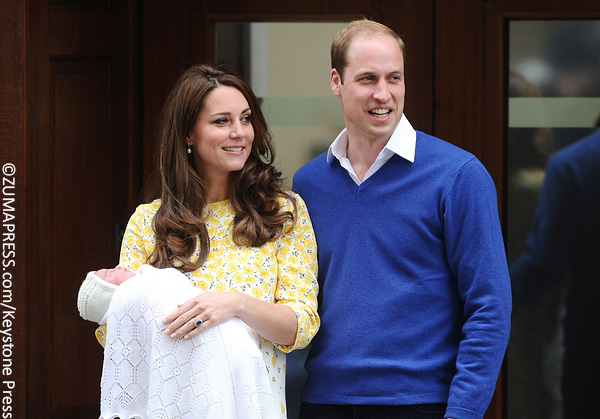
point(275, 322)
point(212, 308)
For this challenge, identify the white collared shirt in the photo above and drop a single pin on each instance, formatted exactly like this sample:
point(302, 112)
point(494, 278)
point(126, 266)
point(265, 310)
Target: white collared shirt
point(402, 142)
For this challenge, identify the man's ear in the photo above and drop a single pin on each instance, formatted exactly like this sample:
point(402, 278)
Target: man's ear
point(336, 83)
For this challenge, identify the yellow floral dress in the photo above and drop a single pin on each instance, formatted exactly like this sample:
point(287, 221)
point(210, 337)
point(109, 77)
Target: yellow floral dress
point(283, 271)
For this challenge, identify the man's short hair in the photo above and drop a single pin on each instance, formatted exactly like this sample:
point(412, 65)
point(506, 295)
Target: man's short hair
point(341, 42)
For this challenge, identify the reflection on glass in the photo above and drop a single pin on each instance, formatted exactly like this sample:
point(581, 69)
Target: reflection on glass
point(553, 218)
point(287, 65)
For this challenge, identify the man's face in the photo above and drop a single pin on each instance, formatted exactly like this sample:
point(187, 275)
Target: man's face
point(372, 92)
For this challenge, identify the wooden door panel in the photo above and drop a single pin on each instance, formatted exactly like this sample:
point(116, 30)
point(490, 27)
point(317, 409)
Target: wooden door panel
point(81, 153)
point(78, 31)
point(13, 148)
point(85, 159)
point(82, 218)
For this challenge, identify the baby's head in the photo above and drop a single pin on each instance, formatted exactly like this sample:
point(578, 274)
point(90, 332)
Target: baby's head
point(115, 276)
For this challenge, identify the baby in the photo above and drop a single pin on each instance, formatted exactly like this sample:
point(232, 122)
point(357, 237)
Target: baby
point(116, 275)
point(218, 373)
point(97, 290)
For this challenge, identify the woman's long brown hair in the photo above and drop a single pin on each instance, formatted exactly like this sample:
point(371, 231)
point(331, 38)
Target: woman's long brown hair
point(253, 191)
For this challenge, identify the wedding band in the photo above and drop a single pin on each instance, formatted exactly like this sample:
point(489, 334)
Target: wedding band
point(198, 322)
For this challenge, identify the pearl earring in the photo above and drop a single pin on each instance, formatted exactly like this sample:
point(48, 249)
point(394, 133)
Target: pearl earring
point(189, 149)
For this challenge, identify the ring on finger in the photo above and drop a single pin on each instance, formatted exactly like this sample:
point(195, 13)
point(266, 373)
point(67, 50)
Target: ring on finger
point(198, 322)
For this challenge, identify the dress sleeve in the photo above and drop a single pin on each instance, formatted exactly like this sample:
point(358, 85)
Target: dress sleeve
point(297, 285)
point(138, 241)
point(136, 246)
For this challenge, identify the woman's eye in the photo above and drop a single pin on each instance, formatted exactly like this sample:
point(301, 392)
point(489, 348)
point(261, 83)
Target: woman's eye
point(247, 119)
point(221, 121)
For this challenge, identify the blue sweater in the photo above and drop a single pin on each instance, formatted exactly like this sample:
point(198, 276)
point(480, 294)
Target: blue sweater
point(415, 294)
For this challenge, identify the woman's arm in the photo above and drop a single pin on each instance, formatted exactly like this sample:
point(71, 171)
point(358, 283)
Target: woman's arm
point(138, 240)
point(297, 285)
point(291, 321)
point(274, 322)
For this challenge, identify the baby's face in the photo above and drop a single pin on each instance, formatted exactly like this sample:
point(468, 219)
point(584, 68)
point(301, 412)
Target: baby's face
point(116, 275)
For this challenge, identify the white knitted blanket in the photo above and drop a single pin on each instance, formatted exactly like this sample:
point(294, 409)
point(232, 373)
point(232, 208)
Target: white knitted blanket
point(146, 374)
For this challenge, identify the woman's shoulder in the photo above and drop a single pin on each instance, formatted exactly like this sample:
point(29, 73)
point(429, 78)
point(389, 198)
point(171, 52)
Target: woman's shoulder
point(150, 206)
point(291, 201)
point(147, 210)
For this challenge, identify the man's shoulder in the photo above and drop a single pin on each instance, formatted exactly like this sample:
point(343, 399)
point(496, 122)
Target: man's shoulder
point(312, 177)
point(312, 166)
point(318, 161)
point(434, 147)
point(587, 148)
point(577, 162)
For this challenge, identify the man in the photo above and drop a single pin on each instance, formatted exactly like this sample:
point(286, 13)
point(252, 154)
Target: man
point(563, 254)
point(415, 294)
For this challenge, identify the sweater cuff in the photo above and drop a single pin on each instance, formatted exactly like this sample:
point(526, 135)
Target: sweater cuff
point(94, 297)
point(458, 412)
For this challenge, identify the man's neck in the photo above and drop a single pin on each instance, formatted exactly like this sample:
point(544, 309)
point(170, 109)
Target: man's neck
point(362, 154)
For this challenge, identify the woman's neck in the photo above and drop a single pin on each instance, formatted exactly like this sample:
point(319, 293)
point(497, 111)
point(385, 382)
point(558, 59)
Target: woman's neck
point(217, 191)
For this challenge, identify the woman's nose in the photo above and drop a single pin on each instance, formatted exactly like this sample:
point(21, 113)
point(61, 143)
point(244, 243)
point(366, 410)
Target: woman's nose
point(236, 130)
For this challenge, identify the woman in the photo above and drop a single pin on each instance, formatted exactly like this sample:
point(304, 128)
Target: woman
point(224, 220)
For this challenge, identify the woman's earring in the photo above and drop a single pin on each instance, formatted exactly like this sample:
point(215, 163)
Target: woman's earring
point(189, 149)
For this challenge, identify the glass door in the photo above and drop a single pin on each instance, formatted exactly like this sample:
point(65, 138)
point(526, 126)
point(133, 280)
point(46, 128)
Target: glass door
point(553, 105)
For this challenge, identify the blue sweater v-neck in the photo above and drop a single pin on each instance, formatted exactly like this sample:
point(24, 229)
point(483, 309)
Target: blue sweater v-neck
point(414, 288)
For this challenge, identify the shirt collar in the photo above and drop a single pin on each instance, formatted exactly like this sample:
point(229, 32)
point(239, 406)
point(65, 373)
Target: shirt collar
point(402, 142)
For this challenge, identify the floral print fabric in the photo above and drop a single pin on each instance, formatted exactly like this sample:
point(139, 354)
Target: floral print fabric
point(283, 271)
